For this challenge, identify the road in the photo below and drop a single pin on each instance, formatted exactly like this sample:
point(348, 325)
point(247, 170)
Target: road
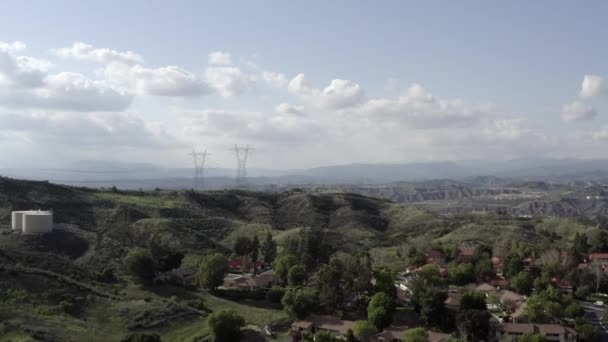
point(594, 315)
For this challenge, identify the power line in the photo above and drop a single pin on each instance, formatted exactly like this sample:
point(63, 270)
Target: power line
point(241, 153)
point(199, 159)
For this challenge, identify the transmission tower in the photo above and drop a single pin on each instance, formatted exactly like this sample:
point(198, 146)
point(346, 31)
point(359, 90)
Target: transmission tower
point(241, 153)
point(198, 158)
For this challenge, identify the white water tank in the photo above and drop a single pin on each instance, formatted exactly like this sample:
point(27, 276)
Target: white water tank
point(32, 221)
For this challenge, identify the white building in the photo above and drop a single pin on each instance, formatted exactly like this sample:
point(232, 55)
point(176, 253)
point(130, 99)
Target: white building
point(32, 221)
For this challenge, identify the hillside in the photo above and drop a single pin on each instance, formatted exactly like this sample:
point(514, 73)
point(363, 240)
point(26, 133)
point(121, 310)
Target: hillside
point(70, 285)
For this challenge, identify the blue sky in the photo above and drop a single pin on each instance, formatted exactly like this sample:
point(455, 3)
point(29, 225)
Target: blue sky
point(413, 81)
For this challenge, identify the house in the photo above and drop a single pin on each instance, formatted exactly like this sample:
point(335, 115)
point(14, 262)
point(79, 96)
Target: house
point(551, 332)
point(395, 334)
point(602, 258)
point(453, 301)
point(314, 323)
point(238, 265)
point(263, 280)
point(499, 283)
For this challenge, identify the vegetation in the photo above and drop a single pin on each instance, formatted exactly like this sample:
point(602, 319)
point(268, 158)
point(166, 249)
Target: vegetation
point(212, 271)
point(225, 326)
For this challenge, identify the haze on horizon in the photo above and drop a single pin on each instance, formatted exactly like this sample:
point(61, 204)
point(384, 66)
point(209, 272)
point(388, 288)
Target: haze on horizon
point(307, 84)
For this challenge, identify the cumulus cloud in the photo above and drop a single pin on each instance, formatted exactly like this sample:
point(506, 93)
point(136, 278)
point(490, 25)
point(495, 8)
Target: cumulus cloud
point(592, 86)
point(338, 94)
point(99, 130)
point(220, 58)
point(577, 111)
point(126, 71)
point(86, 52)
point(286, 108)
point(275, 79)
point(420, 109)
point(228, 81)
point(164, 81)
point(252, 126)
point(25, 82)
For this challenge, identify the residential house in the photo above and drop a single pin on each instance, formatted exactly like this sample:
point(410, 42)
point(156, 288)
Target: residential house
point(551, 332)
point(314, 323)
point(263, 280)
point(238, 265)
point(602, 258)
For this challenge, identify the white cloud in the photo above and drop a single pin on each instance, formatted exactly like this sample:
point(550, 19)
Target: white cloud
point(256, 127)
point(337, 95)
point(286, 108)
point(21, 71)
point(275, 79)
point(228, 81)
point(25, 82)
point(420, 109)
point(592, 86)
point(577, 111)
point(86, 52)
point(89, 130)
point(601, 135)
point(164, 81)
point(220, 58)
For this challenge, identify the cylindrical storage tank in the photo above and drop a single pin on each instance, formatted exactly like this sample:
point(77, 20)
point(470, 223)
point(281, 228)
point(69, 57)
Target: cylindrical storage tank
point(36, 223)
point(17, 220)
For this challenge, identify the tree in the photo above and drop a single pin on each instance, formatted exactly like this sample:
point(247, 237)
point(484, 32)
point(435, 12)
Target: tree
point(275, 294)
point(269, 249)
point(164, 258)
point(575, 310)
point(475, 324)
point(139, 263)
point(385, 281)
point(212, 271)
point(535, 310)
point(530, 337)
point(324, 336)
point(282, 265)
point(380, 310)
point(254, 252)
point(300, 303)
point(296, 275)
point(364, 330)
point(415, 335)
point(432, 305)
point(580, 247)
point(472, 300)
point(522, 283)
point(329, 285)
point(382, 300)
point(484, 269)
point(512, 265)
point(225, 326)
point(379, 317)
point(461, 274)
point(242, 246)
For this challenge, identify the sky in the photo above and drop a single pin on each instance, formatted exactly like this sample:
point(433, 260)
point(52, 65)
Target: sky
point(306, 84)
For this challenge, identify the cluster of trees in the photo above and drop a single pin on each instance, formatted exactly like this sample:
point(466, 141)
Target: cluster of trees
point(144, 263)
point(251, 249)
